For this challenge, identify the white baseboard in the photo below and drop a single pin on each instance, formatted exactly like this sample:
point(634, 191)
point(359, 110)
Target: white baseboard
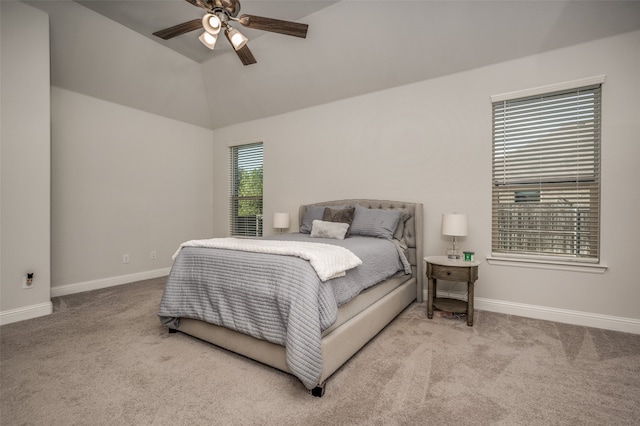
point(67, 289)
point(25, 313)
point(587, 319)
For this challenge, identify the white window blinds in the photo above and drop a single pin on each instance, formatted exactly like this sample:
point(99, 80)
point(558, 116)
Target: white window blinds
point(245, 216)
point(546, 175)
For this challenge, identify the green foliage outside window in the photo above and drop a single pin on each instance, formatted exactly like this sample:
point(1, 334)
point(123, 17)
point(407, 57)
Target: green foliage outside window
point(246, 190)
point(250, 192)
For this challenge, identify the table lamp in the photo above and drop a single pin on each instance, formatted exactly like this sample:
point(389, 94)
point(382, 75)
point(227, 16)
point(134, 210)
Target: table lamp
point(281, 221)
point(454, 225)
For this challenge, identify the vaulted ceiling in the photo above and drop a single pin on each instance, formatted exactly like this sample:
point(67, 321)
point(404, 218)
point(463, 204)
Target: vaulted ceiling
point(147, 17)
point(106, 49)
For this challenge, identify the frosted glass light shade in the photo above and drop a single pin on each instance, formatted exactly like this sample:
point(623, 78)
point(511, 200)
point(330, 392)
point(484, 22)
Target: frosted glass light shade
point(211, 23)
point(208, 40)
point(237, 39)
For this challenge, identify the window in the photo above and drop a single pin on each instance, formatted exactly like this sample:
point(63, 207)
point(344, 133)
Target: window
point(246, 190)
point(546, 174)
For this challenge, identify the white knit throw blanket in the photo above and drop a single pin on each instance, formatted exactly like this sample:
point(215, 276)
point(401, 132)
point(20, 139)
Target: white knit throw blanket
point(329, 261)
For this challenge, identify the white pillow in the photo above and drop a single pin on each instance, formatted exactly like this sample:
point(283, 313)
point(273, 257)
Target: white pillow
point(323, 229)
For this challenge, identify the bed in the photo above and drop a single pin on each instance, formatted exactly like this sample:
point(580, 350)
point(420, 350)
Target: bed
point(312, 342)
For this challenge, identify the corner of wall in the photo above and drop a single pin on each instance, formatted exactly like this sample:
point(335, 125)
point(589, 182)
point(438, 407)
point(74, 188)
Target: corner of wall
point(25, 220)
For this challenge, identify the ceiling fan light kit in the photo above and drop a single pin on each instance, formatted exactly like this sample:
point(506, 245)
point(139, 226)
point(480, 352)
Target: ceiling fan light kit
point(208, 40)
point(211, 23)
point(218, 14)
point(237, 39)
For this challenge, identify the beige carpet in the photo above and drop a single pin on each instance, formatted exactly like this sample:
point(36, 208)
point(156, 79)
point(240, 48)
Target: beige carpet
point(103, 358)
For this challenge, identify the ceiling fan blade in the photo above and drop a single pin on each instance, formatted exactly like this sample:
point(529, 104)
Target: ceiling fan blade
point(203, 4)
point(179, 29)
point(246, 56)
point(295, 29)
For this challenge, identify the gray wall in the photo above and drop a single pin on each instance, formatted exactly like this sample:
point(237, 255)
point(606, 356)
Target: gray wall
point(85, 181)
point(124, 181)
point(430, 142)
point(25, 172)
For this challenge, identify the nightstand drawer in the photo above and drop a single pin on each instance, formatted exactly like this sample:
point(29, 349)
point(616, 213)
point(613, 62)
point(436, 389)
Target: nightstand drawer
point(450, 273)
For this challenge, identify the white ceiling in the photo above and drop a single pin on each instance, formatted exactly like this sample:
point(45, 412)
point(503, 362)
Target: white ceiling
point(353, 47)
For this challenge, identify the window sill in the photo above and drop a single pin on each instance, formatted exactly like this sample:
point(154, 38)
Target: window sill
point(592, 268)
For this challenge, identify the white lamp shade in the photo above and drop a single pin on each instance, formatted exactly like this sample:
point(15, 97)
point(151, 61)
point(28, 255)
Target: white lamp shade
point(454, 224)
point(211, 23)
point(281, 220)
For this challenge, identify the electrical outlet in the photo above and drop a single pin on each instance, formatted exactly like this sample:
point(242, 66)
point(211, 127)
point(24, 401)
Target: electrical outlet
point(153, 255)
point(27, 282)
point(125, 258)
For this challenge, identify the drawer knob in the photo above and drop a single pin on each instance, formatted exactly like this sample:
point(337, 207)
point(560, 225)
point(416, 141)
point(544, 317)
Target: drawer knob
point(448, 272)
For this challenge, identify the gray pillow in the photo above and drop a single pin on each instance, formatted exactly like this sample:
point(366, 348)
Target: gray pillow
point(375, 222)
point(312, 213)
point(339, 215)
point(404, 216)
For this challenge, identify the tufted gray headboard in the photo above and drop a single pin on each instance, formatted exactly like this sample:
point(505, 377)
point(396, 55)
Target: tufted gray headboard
point(413, 231)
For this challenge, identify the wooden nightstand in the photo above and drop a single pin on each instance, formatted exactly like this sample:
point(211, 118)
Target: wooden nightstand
point(443, 268)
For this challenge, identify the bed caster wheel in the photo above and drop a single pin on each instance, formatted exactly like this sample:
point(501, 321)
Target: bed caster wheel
point(318, 391)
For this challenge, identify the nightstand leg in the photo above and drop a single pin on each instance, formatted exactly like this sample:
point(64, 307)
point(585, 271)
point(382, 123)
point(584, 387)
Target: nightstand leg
point(431, 290)
point(470, 304)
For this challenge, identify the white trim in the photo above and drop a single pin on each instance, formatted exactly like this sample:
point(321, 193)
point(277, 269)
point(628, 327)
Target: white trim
point(248, 141)
point(587, 319)
point(64, 290)
point(593, 268)
point(25, 313)
point(574, 84)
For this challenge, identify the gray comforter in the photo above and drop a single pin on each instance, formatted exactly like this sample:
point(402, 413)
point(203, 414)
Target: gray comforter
point(272, 297)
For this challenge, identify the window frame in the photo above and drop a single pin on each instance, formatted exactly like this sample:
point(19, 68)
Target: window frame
point(541, 260)
point(252, 227)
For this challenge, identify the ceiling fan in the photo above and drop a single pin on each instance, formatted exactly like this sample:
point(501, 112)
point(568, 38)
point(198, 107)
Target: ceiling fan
point(217, 17)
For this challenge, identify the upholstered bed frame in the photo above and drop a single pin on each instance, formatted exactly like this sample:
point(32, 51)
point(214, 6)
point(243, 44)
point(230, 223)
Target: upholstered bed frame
point(356, 325)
